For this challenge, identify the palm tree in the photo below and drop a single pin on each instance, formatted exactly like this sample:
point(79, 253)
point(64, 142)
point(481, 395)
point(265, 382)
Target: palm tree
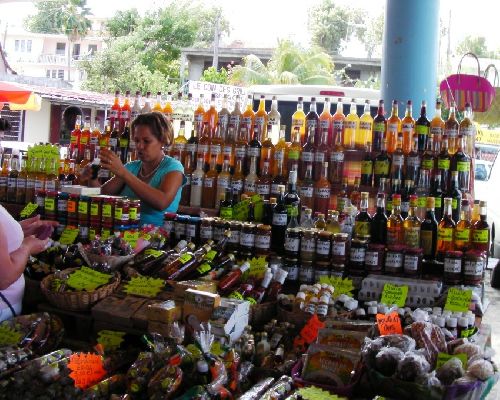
point(74, 24)
point(289, 64)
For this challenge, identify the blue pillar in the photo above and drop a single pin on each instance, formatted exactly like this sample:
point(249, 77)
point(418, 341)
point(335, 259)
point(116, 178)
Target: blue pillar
point(410, 54)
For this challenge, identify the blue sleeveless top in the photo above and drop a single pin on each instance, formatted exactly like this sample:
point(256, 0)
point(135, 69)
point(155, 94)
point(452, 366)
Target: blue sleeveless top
point(150, 215)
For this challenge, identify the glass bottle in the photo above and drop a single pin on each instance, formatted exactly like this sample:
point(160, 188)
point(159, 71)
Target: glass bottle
point(211, 116)
point(167, 109)
point(280, 152)
point(413, 161)
point(320, 223)
point(393, 128)
point(411, 225)
point(292, 199)
point(445, 231)
point(378, 228)
point(223, 180)
point(321, 153)
point(428, 158)
point(263, 184)
point(480, 235)
point(398, 160)
point(21, 183)
point(223, 117)
point(367, 167)
point(325, 121)
point(226, 204)
point(338, 123)
point(228, 146)
point(203, 148)
point(395, 189)
point(31, 178)
point(147, 104)
point(355, 196)
point(363, 221)
point(197, 183)
point(12, 178)
point(114, 114)
point(186, 189)
point(463, 228)
point(382, 164)
point(251, 179)
point(342, 196)
point(236, 114)
point(260, 120)
point(332, 222)
point(279, 223)
point(437, 123)
point(307, 189)
point(113, 143)
point(267, 149)
point(180, 143)
point(85, 136)
point(210, 185)
point(95, 137)
point(299, 120)
point(248, 116)
point(437, 193)
point(238, 179)
point(408, 128)
point(379, 127)
point(312, 122)
point(254, 147)
point(241, 146)
point(422, 127)
point(306, 222)
point(198, 115)
point(337, 158)
point(443, 164)
point(451, 129)
point(136, 108)
point(428, 231)
point(422, 192)
point(191, 146)
point(40, 173)
point(279, 179)
point(351, 126)
point(124, 142)
point(395, 231)
point(216, 144)
point(406, 192)
point(293, 152)
point(364, 133)
point(274, 119)
point(467, 130)
point(157, 107)
point(461, 162)
point(322, 190)
point(307, 154)
point(456, 196)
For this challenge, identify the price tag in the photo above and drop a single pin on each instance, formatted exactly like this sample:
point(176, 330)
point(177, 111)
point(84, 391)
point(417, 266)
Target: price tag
point(443, 357)
point(110, 340)
point(28, 210)
point(341, 286)
point(316, 393)
point(240, 211)
point(68, 236)
point(216, 348)
point(458, 300)
point(310, 331)
point(144, 286)
point(210, 255)
point(131, 237)
point(466, 333)
point(8, 336)
point(393, 294)
point(258, 267)
point(87, 279)
point(86, 369)
point(389, 324)
point(258, 207)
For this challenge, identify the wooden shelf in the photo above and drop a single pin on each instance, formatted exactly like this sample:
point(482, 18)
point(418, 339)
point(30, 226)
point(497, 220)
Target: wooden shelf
point(196, 211)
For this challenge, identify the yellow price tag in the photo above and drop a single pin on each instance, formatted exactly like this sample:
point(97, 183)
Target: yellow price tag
point(68, 236)
point(87, 279)
point(110, 340)
point(29, 209)
point(258, 267)
point(144, 286)
point(131, 237)
point(341, 286)
point(458, 300)
point(394, 294)
point(8, 336)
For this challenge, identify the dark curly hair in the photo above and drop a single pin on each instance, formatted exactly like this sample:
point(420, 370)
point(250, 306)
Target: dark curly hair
point(161, 128)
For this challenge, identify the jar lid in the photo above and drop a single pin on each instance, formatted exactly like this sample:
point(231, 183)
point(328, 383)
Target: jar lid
point(264, 227)
point(453, 254)
point(359, 242)
point(96, 198)
point(291, 260)
point(397, 248)
point(414, 251)
point(73, 196)
point(475, 254)
point(63, 194)
point(341, 235)
point(376, 246)
point(293, 230)
point(52, 193)
point(463, 322)
point(235, 224)
point(360, 312)
point(325, 234)
point(451, 322)
point(112, 200)
point(372, 310)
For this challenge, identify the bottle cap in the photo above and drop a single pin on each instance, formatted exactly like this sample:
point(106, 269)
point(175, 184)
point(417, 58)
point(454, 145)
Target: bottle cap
point(343, 298)
point(268, 276)
point(351, 304)
point(281, 275)
point(463, 322)
point(451, 322)
point(471, 319)
point(372, 310)
point(440, 322)
point(202, 366)
point(301, 296)
point(437, 310)
point(360, 312)
point(325, 299)
point(245, 267)
point(303, 287)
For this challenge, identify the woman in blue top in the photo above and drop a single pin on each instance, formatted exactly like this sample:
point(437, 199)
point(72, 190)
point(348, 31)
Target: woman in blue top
point(155, 179)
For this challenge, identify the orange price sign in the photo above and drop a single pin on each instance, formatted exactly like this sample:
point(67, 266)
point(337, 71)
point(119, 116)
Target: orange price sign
point(310, 331)
point(389, 324)
point(86, 369)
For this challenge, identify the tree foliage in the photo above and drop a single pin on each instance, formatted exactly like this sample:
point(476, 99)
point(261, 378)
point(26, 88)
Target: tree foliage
point(212, 75)
point(372, 36)
point(123, 23)
point(474, 44)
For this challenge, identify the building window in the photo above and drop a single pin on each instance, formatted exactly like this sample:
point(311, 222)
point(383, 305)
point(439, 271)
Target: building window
point(53, 73)
point(23, 45)
point(92, 49)
point(76, 50)
point(16, 45)
point(60, 74)
point(47, 73)
point(61, 49)
point(28, 46)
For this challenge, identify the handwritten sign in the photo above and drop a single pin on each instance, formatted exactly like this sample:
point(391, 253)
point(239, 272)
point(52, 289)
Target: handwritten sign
point(341, 286)
point(131, 237)
point(144, 286)
point(310, 331)
point(458, 300)
point(466, 333)
point(240, 210)
point(258, 207)
point(87, 279)
point(8, 336)
point(68, 236)
point(443, 357)
point(394, 294)
point(389, 324)
point(316, 393)
point(258, 267)
point(28, 210)
point(86, 369)
point(110, 340)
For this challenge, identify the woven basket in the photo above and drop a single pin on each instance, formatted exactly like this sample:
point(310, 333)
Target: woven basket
point(261, 314)
point(298, 318)
point(77, 301)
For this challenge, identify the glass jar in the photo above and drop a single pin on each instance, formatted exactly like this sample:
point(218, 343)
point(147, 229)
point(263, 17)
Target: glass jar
point(474, 266)
point(262, 239)
point(192, 224)
point(275, 262)
point(413, 262)
point(394, 260)
point(207, 230)
point(84, 210)
point(291, 265)
point(234, 241)
point(220, 226)
point(321, 268)
point(50, 205)
point(40, 201)
point(292, 243)
point(307, 245)
point(247, 237)
point(452, 268)
point(73, 207)
point(95, 210)
point(106, 231)
point(108, 211)
point(168, 223)
point(374, 258)
point(134, 212)
point(306, 272)
point(122, 208)
point(339, 248)
point(180, 227)
point(62, 207)
point(357, 254)
point(323, 246)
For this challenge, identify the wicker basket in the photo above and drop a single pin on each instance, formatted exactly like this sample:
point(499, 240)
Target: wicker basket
point(261, 314)
point(298, 318)
point(77, 301)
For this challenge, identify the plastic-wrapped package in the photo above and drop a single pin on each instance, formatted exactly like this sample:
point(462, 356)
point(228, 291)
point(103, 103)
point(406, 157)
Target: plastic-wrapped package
point(165, 382)
point(429, 337)
point(470, 349)
point(387, 360)
point(412, 366)
point(257, 390)
point(450, 370)
point(371, 347)
point(480, 369)
point(139, 373)
point(428, 380)
point(280, 388)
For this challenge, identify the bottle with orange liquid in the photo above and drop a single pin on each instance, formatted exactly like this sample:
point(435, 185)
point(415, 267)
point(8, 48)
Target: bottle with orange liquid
point(216, 144)
point(199, 112)
point(364, 133)
point(125, 111)
point(451, 130)
point(204, 145)
point(75, 135)
point(84, 137)
point(445, 231)
point(248, 116)
point(321, 154)
point(337, 160)
point(267, 149)
point(393, 128)
point(322, 190)
point(437, 124)
point(260, 120)
point(408, 128)
point(114, 114)
point(325, 120)
point(157, 107)
point(228, 148)
point(351, 126)
point(236, 114)
point(338, 123)
point(241, 146)
point(299, 120)
point(224, 117)
point(95, 137)
point(167, 108)
point(211, 115)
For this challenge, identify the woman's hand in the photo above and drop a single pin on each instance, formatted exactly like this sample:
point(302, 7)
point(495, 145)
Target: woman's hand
point(110, 161)
point(34, 245)
point(32, 226)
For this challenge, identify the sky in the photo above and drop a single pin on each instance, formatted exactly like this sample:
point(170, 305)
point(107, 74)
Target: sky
point(260, 23)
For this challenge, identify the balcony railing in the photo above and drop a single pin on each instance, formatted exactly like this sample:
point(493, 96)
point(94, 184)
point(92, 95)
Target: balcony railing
point(52, 59)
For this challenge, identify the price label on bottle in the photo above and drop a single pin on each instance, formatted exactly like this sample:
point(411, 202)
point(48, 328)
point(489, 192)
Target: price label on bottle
point(480, 235)
point(445, 234)
point(28, 210)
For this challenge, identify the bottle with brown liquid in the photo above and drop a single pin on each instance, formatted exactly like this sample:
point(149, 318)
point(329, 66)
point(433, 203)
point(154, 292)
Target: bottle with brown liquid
point(267, 149)
point(216, 145)
point(355, 196)
point(461, 162)
point(443, 164)
point(264, 182)
point(321, 153)
point(184, 265)
point(381, 165)
point(395, 223)
point(254, 148)
point(293, 152)
point(342, 196)
point(260, 120)
point(428, 231)
point(336, 172)
point(307, 154)
point(480, 235)
point(463, 228)
point(279, 179)
point(21, 183)
point(186, 189)
point(306, 190)
point(379, 127)
point(445, 232)
point(322, 189)
point(451, 130)
point(203, 147)
point(378, 229)
point(210, 185)
point(238, 179)
point(251, 179)
point(411, 225)
point(363, 221)
point(12, 178)
point(211, 116)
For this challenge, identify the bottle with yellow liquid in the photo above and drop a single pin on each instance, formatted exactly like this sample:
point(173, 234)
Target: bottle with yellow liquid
point(157, 106)
point(299, 121)
point(267, 150)
point(451, 127)
point(280, 152)
point(167, 108)
point(437, 124)
point(364, 133)
point(294, 151)
point(248, 116)
point(408, 128)
point(351, 126)
point(261, 117)
point(393, 128)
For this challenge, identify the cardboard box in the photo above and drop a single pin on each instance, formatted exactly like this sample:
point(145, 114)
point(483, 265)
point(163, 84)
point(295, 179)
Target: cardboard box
point(160, 328)
point(140, 317)
point(203, 286)
point(118, 311)
point(81, 190)
point(165, 312)
point(230, 319)
point(198, 306)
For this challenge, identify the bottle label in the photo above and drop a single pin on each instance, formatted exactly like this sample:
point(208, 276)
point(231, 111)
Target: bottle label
point(292, 244)
point(463, 166)
point(445, 234)
point(411, 263)
point(338, 125)
point(94, 140)
point(235, 237)
point(203, 148)
point(337, 157)
point(275, 189)
point(452, 133)
point(50, 185)
point(394, 260)
point(393, 235)
point(361, 229)
point(413, 162)
point(263, 189)
point(307, 245)
point(388, 205)
point(474, 268)
point(38, 183)
point(50, 204)
point(405, 206)
point(407, 128)
point(273, 121)
point(262, 242)
point(322, 193)
point(191, 148)
point(179, 229)
point(292, 210)
point(427, 164)
point(30, 183)
point(250, 187)
point(83, 207)
point(113, 113)
point(234, 120)
point(392, 128)
point(208, 182)
point(180, 147)
point(466, 131)
point(113, 142)
point(324, 124)
point(437, 131)
point(322, 309)
point(350, 125)
point(452, 265)
point(215, 149)
point(237, 186)
point(366, 167)
point(227, 151)
point(226, 212)
point(280, 219)
point(279, 155)
point(293, 154)
point(444, 164)
point(480, 236)
point(371, 258)
point(297, 122)
point(306, 275)
point(412, 236)
point(307, 192)
point(253, 152)
point(379, 127)
point(106, 210)
point(94, 210)
point(125, 114)
point(310, 124)
point(196, 180)
point(247, 239)
point(74, 139)
point(11, 183)
point(223, 182)
point(422, 129)
point(338, 249)
point(319, 156)
point(367, 126)
point(190, 231)
point(307, 156)
point(203, 268)
point(323, 247)
point(357, 254)
point(293, 272)
point(240, 152)
point(21, 183)
point(462, 235)
point(426, 239)
point(398, 160)
point(206, 233)
point(454, 204)
point(382, 167)
point(437, 202)
point(422, 202)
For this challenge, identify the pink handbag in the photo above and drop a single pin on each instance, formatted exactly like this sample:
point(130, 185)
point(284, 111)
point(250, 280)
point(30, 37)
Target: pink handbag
point(464, 88)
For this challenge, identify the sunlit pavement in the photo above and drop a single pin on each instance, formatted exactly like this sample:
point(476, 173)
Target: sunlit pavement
point(492, 317)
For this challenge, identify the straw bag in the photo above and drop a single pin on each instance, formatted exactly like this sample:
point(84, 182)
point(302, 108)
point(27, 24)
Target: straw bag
point(465, 88)
point(492, 116)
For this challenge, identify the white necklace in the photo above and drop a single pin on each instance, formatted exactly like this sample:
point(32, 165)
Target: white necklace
point(152, 172)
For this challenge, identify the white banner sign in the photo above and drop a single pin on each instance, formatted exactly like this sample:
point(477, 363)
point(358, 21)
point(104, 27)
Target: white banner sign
point(207, 88)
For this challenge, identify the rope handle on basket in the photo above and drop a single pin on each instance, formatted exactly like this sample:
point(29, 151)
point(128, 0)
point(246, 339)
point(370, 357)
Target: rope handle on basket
point(478, 66)
point(496, 79)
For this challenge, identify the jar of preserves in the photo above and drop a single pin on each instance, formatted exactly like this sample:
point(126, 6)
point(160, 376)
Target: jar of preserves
point(321, 268)
point(93, 232)
point(50, 205)
point(180, 227)
point(291, 265)
point(374, 258)
point(262, 239)
point(452, 268)
point(307, 245)
point(108, 211)
point(192, 224)
point(206, 229)
point(83, 232)
point(247, 237)
point(306, 272)
point(134, 212)
point(357, 254)
point(339, 248)
point(62, 207)
point(40, 201)
point(233, 244)
point(220, 226)
point(292, 243)
point(275, 262)
point(122, 208)
point(73, 207)
point(412, 265)
point(168, 223)
point(323, 246)
point(474, 266)
point(84, 210)
point(394, 259)
point(106, 231)
point(95, 210)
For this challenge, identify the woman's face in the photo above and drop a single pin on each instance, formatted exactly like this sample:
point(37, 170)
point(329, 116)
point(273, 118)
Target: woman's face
point(148, 147)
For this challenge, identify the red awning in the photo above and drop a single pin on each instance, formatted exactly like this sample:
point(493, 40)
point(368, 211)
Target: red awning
point(10, 93)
